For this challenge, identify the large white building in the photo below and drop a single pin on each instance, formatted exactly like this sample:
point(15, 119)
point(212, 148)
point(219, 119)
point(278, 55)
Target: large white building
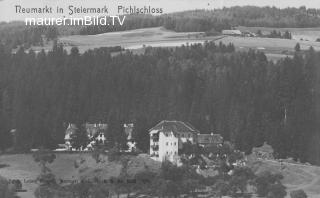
point(167, 137)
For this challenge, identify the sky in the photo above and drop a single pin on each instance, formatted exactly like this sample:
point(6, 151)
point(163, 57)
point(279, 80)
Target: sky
point(7, 7)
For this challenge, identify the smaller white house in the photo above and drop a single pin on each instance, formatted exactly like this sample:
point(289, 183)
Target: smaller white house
point(128, 129)
point(72, 128)
point(95, 133)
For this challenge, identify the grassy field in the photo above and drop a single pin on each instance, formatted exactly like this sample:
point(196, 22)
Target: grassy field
point(136, 40)
point(296, 176)
point(132, 39)
point(19, 166)
point(274, 48)
point(22, 167)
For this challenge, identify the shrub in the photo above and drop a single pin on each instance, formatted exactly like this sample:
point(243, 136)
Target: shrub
point(6, 191)
point(298, 194)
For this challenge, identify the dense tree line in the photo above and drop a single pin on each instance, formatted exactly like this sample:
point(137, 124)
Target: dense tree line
point(241, 95)
point(276, 34)
point(16, 34)
point(271, 16)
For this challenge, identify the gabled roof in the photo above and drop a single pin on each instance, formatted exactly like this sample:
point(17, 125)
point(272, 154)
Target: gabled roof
point(174, 126)
point(210, 139)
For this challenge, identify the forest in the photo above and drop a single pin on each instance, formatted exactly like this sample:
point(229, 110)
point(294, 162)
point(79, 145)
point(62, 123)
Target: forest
point(16, 34)
point(241, 95)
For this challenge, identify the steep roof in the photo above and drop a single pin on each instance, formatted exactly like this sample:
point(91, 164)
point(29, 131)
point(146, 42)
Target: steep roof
point(174, 126)
point(210, 139)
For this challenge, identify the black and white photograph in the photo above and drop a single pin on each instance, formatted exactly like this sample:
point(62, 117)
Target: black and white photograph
point(159, 99)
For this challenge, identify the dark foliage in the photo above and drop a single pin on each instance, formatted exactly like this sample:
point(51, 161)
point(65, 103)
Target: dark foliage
point(298, 194)
point(241, 95)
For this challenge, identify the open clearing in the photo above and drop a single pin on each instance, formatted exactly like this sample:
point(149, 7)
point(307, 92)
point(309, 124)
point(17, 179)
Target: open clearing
point(136, 40)
point(132, 39)
point(296, 176)
point(22, 167)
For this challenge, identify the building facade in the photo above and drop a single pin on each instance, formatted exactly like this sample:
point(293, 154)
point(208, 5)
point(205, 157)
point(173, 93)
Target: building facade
point(167, 137)
point(95, 133)
point(131, 143)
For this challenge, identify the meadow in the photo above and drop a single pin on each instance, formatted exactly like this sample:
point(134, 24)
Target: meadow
point(22, 166)
point(137, 40)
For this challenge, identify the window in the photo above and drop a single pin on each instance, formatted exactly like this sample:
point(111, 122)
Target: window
point(167, 152)
point(182, 135)
point(175, 152)
point(167, 143)
point(175, 143)
point(167, 134)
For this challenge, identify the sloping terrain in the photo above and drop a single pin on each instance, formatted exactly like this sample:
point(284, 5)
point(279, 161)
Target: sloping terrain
point(136, 40)
point(132, 39)
point(296, 176)
point(22, 167)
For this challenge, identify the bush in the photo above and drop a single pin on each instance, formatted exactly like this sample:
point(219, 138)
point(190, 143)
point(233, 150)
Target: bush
point(298, 194)
point(277, 191)
point(6, 191)
point(268, 184)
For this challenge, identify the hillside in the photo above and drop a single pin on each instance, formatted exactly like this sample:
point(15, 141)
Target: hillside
point(296, 176)
point(22, 167)
point(136, 40)
point(131, 39)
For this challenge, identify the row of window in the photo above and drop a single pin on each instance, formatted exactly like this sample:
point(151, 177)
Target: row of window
point(167, 143)
point(171, 152)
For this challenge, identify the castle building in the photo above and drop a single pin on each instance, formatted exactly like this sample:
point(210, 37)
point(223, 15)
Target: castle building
point(167, 137)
